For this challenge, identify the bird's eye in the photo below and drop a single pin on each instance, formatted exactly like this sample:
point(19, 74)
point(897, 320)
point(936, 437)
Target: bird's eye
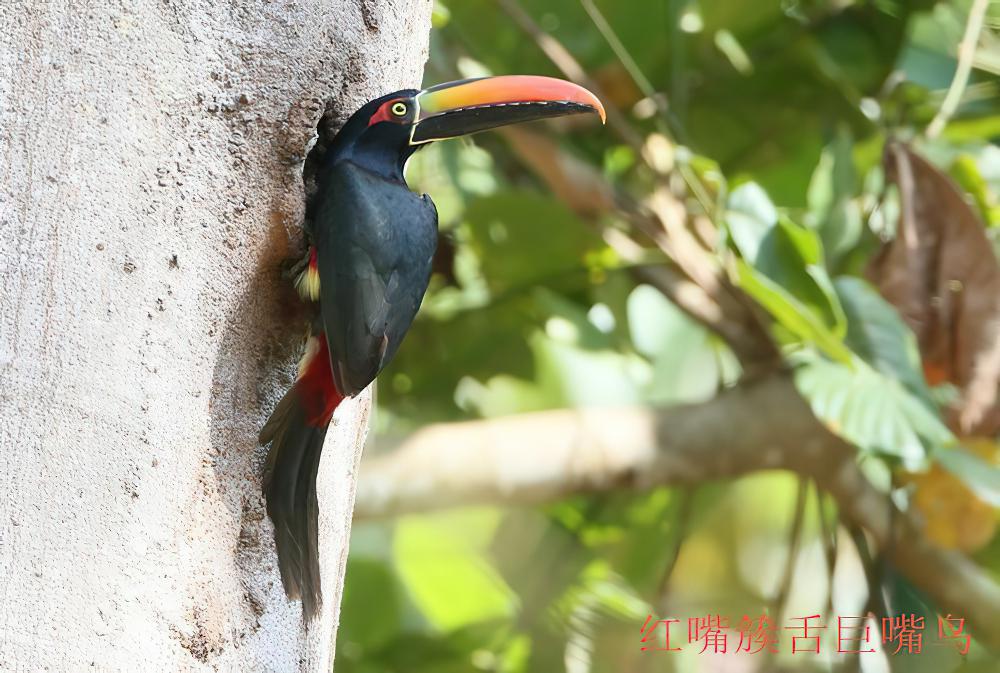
point(399, 109)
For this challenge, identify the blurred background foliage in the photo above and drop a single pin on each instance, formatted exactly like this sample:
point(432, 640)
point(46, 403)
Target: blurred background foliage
point(769, 119)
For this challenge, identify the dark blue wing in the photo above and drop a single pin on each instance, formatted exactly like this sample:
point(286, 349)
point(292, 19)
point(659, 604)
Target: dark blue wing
point(375, 240)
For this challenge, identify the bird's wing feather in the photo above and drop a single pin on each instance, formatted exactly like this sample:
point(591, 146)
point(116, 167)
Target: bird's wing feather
point(375, 240)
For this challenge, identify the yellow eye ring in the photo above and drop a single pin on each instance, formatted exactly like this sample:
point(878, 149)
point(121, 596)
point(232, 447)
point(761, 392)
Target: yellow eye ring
point(399, 109)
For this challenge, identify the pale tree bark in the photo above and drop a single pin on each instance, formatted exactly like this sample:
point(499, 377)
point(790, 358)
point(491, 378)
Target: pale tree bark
point(150, 187)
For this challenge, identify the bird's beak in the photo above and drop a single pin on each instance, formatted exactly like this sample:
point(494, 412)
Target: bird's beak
point(472, 105)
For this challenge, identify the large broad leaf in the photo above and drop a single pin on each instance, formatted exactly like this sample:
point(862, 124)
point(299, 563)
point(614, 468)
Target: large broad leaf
point(790, 313)
point(877, 334)
point(832, 208)
point(790, 257)
point(872, 411)
point(750, 215)
point(942, 275)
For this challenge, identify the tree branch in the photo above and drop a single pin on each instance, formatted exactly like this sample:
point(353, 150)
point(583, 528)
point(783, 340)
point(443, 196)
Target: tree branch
point(696, 286)
point(966, 55)
point(541, 457)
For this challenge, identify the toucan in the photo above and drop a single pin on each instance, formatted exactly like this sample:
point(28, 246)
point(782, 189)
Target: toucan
point(372, 241)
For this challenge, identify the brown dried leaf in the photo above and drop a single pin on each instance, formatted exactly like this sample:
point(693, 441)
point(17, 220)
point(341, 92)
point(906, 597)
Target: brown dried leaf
point(941, 273)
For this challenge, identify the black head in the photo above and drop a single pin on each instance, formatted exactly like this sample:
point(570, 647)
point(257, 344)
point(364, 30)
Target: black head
point(377, 136)
point(385, 132)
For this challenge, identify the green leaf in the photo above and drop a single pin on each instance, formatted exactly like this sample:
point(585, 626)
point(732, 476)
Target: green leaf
point(787, 254)
point(805, 243)
point(440, 15)
point(441, 560)
point(576, 326)
point(574, 365)
point(791, 313)
point(687, 371)
point(371, 597)
point(966, 171)
point(684, 354)
point(877, 333)
point(832, 209)
point(973, 129)
point(731, 47)
point(438, 355)
point(792, 257)
point(750, 216)
point(907, 598)
point(602, 589)
point(870, 410)
point(652, 319)
point(586, 377)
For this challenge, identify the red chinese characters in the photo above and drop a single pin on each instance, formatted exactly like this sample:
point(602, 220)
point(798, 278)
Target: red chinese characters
point(649, 634)
point(854, 635)
point(710, 631)
point(757, 635)
point(809, 640)
point(712, 634)
point(903, 634)
point(952, 629)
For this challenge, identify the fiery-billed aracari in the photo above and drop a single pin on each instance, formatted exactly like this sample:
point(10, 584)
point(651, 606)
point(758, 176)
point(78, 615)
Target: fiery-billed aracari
point(372, 243)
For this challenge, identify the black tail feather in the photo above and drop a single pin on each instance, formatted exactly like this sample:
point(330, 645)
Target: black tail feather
point(290, 492)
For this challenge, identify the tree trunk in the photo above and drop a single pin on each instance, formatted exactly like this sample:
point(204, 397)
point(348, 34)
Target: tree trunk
point(151, 189)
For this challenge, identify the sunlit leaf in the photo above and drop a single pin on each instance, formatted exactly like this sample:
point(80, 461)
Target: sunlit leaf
point(788, 255)
point(442, 562)
point(440, 15)
point(790, 313)
point(750, 215)
point(872, 411)
point(966, 171)
point(877, 333)
point(685, 358)
point(832, 209)
point(371, 597)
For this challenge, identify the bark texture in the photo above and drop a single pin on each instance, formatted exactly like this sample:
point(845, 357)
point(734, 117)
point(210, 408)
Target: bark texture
point(150, 187)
